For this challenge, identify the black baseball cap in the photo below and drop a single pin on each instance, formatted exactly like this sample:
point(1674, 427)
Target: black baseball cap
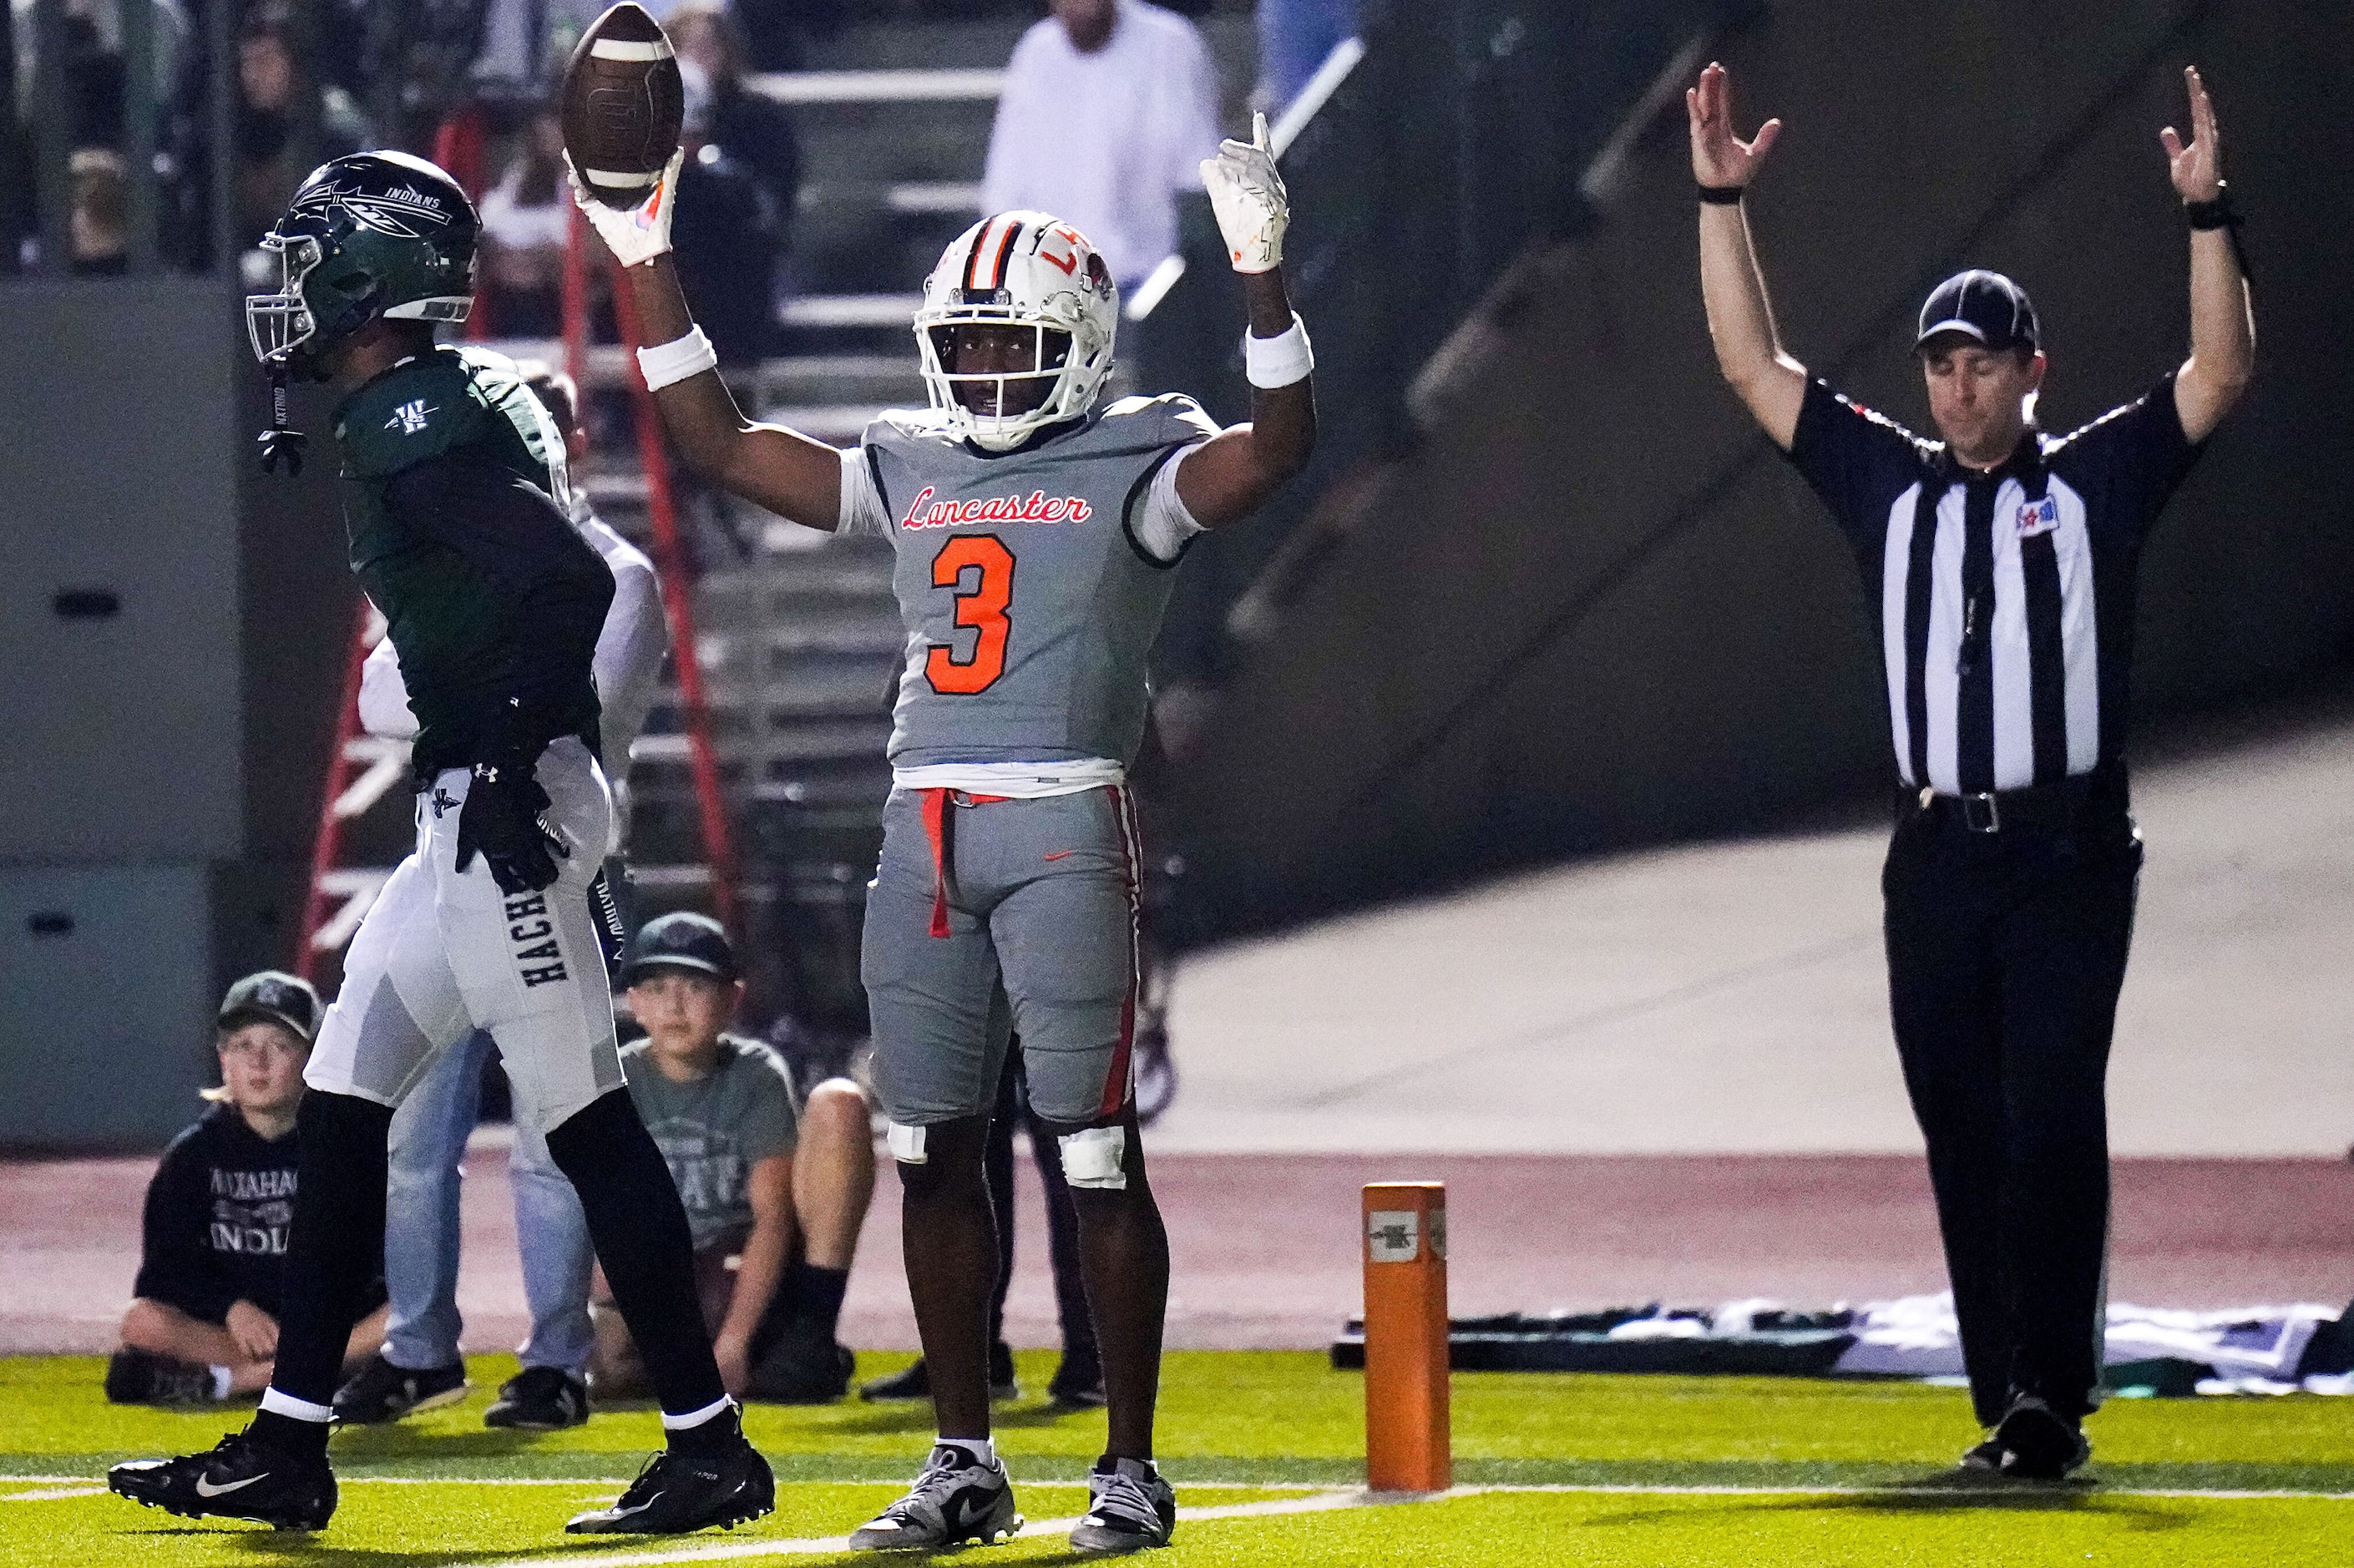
point(272, 997)
point(685, 940)
point(1982, 305)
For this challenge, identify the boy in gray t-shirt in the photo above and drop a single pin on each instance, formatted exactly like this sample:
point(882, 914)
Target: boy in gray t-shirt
point(774, 1190)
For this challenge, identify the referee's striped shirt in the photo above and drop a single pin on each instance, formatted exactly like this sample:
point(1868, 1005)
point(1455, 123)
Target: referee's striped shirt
point(2004, 600)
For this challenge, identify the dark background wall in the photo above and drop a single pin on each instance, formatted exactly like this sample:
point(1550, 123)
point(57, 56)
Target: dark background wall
point(1595, 607)
point(171, 636)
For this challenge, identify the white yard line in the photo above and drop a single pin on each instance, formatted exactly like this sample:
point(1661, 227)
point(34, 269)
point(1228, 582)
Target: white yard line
point(624, 1480)
point(735, 1551)
point(1326, 1501)
point(1989, 1490)
point(1316, 1498)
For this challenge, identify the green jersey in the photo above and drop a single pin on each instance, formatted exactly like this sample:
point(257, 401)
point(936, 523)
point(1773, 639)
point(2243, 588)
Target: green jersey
point(457, 505)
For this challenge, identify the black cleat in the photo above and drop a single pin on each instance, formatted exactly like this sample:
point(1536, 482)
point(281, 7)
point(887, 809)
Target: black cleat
point(380, 1392)
point(2038, 1444)
point(540, 1399)
point(716, 1480)
point(142, 1377)
point(237, 1479)
point(916, 1382)
point(1985, 1459)
point(801, 1369)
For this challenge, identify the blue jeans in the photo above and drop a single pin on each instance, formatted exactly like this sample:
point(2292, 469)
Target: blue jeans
point(420, 1231)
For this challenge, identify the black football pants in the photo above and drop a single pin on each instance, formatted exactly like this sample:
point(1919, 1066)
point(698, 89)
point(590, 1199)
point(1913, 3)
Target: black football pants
point(2006, 952)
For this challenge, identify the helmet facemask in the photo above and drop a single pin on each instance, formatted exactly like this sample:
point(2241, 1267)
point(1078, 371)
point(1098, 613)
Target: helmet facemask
point(1001, 407)
point(281, 322)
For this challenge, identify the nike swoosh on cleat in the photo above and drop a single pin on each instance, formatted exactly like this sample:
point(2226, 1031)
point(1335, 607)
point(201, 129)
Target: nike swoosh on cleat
point(205, 1489)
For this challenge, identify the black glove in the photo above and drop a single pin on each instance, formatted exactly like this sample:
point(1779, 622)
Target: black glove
point(501, 818)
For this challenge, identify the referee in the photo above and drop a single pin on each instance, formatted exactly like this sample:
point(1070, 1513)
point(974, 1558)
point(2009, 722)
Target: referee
point(2000, 563)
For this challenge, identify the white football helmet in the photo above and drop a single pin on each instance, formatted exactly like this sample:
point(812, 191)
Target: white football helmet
point(1019, 269)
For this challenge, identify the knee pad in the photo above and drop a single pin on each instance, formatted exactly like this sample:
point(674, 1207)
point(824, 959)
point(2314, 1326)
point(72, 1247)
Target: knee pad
point(1095, 1157)
point(905, 1144)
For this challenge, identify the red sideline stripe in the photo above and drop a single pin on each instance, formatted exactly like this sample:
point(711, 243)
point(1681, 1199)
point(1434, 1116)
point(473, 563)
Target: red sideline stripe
point(1118, 1080)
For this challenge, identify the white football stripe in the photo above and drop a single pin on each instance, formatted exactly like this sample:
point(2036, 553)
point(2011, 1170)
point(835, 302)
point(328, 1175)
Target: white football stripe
point(827, 1545)
point(619, 179)
point(629, 49)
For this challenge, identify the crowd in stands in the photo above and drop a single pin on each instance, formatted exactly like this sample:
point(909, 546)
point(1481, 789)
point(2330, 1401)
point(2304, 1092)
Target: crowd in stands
point(1110, 104)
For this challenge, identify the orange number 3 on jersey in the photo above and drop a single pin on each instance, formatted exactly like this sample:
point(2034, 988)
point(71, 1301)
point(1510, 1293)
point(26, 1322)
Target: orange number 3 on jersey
point(982, 606)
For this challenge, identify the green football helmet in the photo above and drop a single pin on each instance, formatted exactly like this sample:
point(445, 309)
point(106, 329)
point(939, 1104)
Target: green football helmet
point(373, 236)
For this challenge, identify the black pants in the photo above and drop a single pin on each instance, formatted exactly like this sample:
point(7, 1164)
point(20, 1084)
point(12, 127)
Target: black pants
point(2006, 952)
point(1062, 1220)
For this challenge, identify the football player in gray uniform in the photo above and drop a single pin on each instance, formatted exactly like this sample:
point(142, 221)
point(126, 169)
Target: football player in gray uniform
point(1036, 526)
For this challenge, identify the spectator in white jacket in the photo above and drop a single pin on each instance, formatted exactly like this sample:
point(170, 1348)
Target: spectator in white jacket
point(1109, 108)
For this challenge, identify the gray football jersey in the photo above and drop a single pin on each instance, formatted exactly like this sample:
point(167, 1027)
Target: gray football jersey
point(1029, 605)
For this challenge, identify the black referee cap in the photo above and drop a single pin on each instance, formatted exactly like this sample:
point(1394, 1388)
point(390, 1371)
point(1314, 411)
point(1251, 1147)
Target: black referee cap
point(1982, 305)
point(685, 940)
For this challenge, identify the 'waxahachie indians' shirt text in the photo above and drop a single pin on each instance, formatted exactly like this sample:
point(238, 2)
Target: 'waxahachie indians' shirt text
point(217, 1214)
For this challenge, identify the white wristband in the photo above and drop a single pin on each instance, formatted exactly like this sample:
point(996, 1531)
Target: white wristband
point(668, 364)
point(1280, 361)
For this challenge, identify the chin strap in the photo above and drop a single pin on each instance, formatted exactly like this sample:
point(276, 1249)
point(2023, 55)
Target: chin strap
point(279, 440)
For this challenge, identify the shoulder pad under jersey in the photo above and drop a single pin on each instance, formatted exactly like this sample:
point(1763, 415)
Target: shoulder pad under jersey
point(414, 411)
point(909, 424)
point(1169, 419)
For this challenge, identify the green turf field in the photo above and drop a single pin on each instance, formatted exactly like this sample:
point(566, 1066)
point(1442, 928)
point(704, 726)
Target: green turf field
point(1265, 1447)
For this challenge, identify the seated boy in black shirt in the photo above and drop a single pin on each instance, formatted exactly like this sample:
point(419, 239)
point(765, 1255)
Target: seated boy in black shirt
point(205, 1324)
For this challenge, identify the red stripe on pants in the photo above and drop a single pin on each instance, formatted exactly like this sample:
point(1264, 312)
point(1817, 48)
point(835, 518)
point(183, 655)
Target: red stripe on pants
point(1115, 1084)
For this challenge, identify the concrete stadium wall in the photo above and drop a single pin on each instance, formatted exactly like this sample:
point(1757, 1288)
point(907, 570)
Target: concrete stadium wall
point(172, 629)
point(1595, 607)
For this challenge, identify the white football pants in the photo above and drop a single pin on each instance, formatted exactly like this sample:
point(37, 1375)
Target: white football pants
point(442, 953)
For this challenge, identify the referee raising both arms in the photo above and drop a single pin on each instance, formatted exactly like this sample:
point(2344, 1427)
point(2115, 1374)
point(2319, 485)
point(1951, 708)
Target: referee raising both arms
point(1999, 563)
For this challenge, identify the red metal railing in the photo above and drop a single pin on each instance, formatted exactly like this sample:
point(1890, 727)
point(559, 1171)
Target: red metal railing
point(670, 562)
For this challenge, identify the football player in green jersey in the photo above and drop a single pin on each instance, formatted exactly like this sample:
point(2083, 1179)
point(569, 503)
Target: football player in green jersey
point(454, 487)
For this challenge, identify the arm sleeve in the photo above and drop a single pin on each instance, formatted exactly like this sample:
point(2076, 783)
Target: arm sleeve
point(511, 533)
point(176, 1263)
point(630, 647)
point(769, 1128)
point(1163, 527)
point(384, 695)
point(1857, 460)
point(2126, 463)
point(861, 504)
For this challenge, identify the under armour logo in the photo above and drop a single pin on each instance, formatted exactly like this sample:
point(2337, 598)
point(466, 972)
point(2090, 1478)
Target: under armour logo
point(410, 417)
point(444, 801)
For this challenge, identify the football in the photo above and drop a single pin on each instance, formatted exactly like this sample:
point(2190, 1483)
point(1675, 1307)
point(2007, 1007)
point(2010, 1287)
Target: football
point(623, 104)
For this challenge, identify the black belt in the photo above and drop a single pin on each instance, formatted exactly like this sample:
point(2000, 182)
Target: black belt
point(2086, 797)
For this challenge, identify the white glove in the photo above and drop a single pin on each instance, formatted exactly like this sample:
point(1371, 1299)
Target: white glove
point(1247, 196)
point(634, 234)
